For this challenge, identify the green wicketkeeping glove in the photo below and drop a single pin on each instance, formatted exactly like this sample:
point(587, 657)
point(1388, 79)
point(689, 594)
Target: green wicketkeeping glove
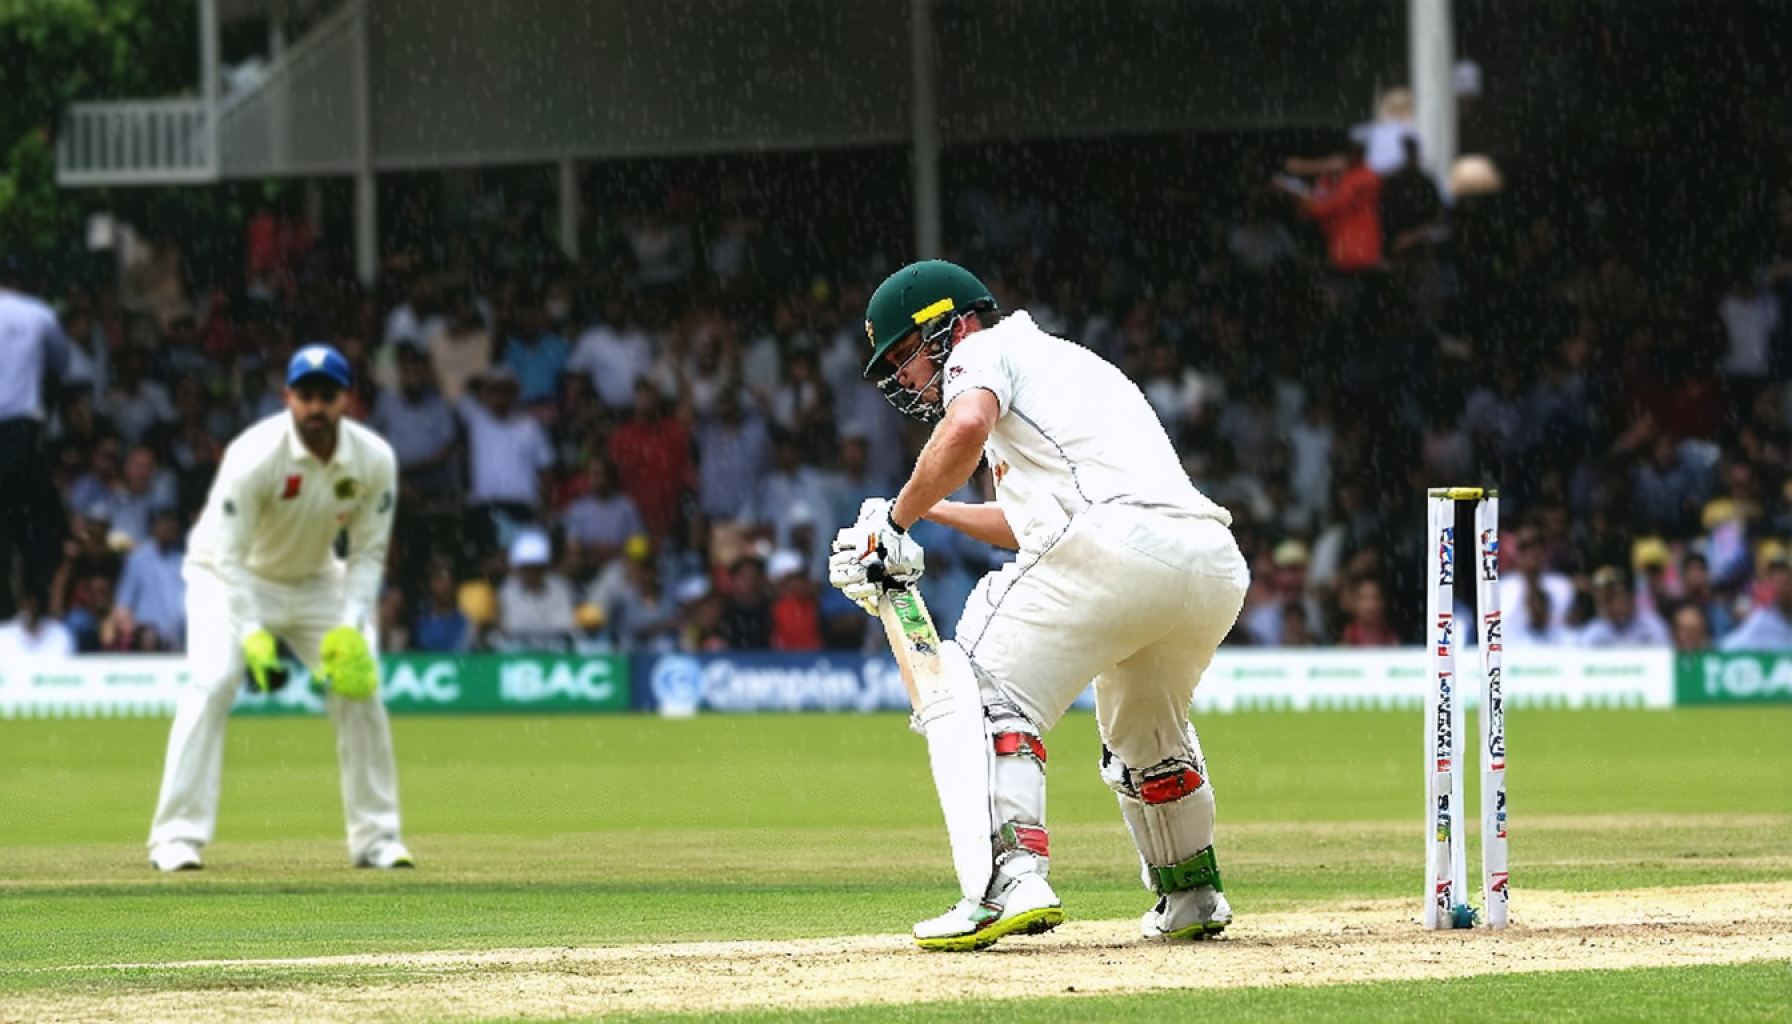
point(261, 655)
point(347, 665)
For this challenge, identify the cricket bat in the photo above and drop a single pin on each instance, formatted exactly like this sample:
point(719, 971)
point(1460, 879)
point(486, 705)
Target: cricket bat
point(914, 641)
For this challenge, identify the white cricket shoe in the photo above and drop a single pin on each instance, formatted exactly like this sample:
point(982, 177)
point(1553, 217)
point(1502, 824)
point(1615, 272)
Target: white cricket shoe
point(385, 855)
point(1191, 914)
point(1025, 905)
point(178, 855)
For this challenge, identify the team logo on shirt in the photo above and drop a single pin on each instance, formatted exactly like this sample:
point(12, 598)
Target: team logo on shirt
point(385, 503)
point(345, 489)
point(229, 507)
point(954, 371)
point(292, 487)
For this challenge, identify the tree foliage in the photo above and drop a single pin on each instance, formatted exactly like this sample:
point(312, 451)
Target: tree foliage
point(56, 52)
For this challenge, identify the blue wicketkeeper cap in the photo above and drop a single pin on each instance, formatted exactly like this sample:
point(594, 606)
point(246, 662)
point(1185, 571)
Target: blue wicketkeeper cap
point(318, 361)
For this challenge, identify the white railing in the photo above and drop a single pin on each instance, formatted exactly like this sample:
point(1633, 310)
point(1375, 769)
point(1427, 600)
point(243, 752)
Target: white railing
point(135, 142)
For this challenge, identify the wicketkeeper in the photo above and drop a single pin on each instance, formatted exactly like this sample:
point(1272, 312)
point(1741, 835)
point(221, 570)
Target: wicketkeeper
point(261, 568)
point(1126, 575)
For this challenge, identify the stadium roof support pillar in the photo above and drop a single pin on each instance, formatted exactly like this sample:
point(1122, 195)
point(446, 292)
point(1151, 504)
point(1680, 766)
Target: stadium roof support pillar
point(1431, 50)
point(569, 208)
point(924, 129)
point(208, 79)
point(367, 241)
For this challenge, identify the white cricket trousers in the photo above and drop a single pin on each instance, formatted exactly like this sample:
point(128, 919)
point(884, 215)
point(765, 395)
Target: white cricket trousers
point(300, 614)
point(1133, 598)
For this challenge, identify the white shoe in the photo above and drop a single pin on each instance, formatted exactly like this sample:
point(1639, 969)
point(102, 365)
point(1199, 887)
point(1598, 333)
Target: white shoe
point(1025, 905)
point(385, 855)
point(178, 855)
point(1192, 914)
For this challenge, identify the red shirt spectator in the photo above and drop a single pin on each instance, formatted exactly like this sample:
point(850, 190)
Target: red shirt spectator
point(1348, 209)
point(796, 613)
point(652, 454)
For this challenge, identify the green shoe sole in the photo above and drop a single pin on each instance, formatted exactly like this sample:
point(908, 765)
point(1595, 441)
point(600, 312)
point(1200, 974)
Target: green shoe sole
point(1196, 932)
point(1033, 922)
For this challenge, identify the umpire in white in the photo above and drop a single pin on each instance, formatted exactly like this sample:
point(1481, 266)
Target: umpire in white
point(261, 567)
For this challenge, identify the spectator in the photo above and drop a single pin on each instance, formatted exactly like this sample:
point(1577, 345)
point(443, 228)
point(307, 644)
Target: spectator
point(796, 612)
point(1346, 203)
point(1696, 589)
point(614, 353)
point(104, 475)
point(460, 351)
point(1535, 623)
point(137, 403)
point(152, 594)
point(1286, 586)
point(1668, 489)
point(604, 518)
point(746, 622)
point(1411, 206)
point(802, 405)
point(1769, 627)
point(1751, 314)
point(1368, 625)
point(146, 487)
point(1619, 622)
point(535, 606)
point(30, 635)
point(509, 457)
point(441, 626)
point(641, 617)
point(88, 552)
point(734, 448)
point(652, 454)
point(420, 427)
point(790, 495)
point(1528, 572)
point(394, 628)
point(190, 448)
point(537, 355)
point(701, 611)
point(1691, 633)
point(854, 480)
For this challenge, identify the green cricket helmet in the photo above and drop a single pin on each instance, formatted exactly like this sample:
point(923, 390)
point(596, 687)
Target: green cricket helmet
point(930, 295)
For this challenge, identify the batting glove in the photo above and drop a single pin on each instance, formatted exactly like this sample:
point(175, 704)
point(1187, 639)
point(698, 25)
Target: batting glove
point(261, 654)
point(849, 575)
point(346, 665)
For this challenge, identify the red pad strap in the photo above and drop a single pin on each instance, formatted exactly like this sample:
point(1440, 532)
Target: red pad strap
point(1010, 743)
point(1166, 788)
point(1034, 838)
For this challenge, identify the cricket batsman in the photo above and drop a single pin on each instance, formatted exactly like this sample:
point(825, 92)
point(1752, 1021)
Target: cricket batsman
point(1126, 575)
point(262, 567)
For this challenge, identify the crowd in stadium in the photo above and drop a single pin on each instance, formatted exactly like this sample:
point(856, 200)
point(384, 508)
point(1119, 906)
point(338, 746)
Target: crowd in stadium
point(650, 448)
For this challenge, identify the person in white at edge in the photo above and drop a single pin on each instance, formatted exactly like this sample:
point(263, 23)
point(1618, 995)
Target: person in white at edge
point(261, 558)
point(1126, 575)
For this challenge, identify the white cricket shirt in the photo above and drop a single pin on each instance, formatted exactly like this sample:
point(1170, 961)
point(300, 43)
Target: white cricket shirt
point(1073, 431)
point(274, 512)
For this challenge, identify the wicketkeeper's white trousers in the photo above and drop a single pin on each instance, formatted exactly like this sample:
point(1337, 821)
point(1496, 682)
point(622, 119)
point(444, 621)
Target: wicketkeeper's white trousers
point(300, 614)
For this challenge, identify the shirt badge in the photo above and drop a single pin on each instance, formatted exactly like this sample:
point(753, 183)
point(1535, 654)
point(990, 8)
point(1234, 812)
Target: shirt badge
point(345, 489)
point(292, 487)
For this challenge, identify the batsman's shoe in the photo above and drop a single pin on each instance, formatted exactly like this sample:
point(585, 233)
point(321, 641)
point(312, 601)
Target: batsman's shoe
point(175, 856)
point(1190, 914)
point(346, 665)
point(1025, 906)
point(386, 856)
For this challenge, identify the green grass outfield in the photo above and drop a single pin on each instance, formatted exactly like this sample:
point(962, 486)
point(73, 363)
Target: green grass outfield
point(578, 831)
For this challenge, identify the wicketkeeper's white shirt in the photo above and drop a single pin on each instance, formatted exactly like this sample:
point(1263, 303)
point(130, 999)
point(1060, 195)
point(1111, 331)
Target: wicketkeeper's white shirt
point(275, 510)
